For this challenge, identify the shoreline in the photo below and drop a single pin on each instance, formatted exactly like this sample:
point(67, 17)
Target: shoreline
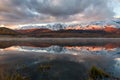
point(61, 39)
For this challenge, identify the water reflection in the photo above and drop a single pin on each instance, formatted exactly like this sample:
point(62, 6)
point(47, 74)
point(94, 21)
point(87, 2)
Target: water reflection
point(63, 58)
point(75, 50)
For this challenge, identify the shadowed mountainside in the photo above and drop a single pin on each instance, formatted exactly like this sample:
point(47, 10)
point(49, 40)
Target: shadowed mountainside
point(76, 33)
point(106, 32)
point(6, 31)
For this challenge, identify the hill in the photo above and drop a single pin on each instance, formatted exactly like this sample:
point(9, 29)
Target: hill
point(74, 33)
point(25, 31)
point(33, 31)
point(6, 31)
point(44, 32)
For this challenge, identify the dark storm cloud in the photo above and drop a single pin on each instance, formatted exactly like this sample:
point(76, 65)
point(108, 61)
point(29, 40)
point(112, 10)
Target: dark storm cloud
point(62, 7)
point(53, 10)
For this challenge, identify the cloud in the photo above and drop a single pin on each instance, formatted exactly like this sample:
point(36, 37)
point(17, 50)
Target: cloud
point(38, 11)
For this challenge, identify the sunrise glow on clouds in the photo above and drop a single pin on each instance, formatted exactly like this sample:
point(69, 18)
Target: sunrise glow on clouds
point(16, 12)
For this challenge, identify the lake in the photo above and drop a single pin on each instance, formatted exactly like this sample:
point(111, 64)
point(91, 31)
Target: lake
point(63, 59)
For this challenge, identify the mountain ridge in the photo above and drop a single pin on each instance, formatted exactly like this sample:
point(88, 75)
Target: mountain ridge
point(58, 26)
point(7, 31)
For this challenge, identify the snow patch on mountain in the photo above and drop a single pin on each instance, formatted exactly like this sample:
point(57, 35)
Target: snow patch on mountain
point(58, 26)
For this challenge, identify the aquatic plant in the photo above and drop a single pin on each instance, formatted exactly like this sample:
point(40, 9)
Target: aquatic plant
point(97, 74)
point(11, 76)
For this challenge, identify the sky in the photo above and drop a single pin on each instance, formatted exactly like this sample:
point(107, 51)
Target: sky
point(16, 12)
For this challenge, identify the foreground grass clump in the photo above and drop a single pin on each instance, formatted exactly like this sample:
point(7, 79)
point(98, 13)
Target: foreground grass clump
point(12, 76)
point(97, 74)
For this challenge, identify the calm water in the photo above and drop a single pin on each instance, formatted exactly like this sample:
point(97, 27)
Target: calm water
point(66, 62)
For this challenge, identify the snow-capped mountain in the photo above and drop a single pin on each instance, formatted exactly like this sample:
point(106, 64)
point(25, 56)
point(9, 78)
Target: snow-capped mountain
point(56, 26)
point(115, 23)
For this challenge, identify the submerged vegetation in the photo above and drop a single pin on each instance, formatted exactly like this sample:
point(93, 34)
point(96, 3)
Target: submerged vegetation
point(97, 74)
point(12, 76)
point(56, 70)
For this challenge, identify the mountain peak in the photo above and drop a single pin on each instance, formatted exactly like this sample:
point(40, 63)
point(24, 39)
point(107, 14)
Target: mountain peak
point(91, 25)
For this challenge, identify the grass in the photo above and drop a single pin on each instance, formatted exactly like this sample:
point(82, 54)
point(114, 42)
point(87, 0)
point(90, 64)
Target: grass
point(97, 74)
point(4, 75)
point(57, 70)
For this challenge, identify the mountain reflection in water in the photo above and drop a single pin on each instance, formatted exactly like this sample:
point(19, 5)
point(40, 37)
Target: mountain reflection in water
point(75, 50)
point(65, 60)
